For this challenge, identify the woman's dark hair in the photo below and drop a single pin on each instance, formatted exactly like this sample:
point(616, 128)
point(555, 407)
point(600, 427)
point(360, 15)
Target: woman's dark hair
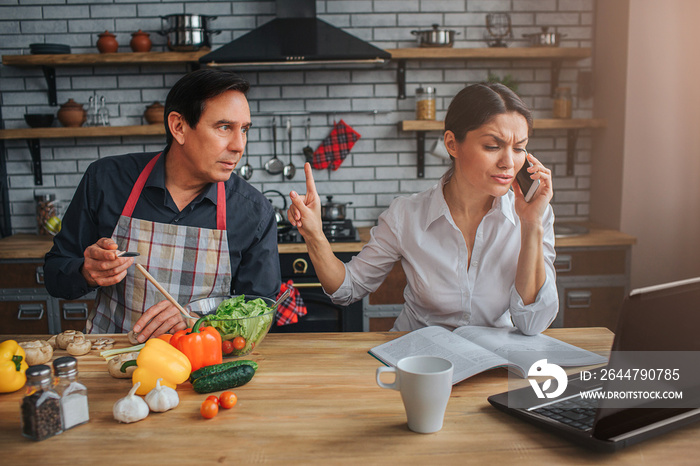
point(477, 104)
point(189, 95)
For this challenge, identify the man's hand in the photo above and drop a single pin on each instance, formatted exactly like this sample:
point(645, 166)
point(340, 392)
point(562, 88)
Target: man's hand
point(160, 318)
point(102, 266)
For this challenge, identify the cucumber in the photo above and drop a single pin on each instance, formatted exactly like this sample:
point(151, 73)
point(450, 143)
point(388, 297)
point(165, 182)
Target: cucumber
point(231, 378)
point(217, 368)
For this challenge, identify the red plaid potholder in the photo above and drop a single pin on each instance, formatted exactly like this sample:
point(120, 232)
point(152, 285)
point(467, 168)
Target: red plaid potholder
point(289, 310)
point(335, 147)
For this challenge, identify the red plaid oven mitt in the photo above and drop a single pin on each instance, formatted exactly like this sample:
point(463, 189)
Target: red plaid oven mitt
point(335, 147)
point(289, 310)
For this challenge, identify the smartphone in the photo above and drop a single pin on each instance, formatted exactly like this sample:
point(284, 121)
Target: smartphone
point(128, 254)
point(527, 185)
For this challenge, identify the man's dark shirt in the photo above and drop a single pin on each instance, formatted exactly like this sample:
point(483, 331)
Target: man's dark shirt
point(100, 198)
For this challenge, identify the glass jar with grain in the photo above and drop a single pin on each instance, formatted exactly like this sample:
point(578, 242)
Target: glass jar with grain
point(561, 107)
point(425, 103)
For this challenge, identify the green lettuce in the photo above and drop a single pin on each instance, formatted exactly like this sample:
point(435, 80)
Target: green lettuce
point(236, 317)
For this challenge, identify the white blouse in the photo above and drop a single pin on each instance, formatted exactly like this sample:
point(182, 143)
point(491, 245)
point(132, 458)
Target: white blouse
point(420, 232)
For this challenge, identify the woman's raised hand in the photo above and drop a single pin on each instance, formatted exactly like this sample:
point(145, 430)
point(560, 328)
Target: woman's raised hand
point(305, 210)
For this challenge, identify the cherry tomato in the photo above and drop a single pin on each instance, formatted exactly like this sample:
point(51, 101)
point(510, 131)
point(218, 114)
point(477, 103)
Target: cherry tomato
point(228, 400)
point(209, 409)
point(227, 347)
point(213, 398)
point(239, 343)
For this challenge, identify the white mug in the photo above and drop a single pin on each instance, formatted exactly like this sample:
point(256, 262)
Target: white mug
point(425, 383)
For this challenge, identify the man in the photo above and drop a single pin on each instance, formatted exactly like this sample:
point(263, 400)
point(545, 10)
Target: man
point(200, 231)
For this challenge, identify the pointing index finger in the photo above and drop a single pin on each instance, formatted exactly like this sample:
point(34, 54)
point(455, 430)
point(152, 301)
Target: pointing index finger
point(310, 184)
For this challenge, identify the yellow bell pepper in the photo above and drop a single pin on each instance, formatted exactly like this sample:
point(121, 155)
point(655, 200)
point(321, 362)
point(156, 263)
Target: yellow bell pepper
point(160, 360)
point(13, 364)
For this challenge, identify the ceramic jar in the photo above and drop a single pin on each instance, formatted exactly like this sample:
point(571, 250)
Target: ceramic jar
point(154, 113)
point(140, 41)
point(107, 42)
point(72, 114)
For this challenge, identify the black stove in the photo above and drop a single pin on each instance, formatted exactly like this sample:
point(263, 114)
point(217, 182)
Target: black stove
point(337, 231)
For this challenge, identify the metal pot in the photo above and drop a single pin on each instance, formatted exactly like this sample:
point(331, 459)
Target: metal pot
point(186, 21)
point(333, 210)
point(280, 214)
point(435, 37)
point(188, 40)
point(544, 38)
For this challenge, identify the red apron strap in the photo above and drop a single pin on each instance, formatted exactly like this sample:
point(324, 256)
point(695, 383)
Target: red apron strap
point(221, 206)
point(141, 182)
point(138, 187)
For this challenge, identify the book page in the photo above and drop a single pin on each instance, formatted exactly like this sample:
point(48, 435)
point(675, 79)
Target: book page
point(468, 358)
point(524, 350)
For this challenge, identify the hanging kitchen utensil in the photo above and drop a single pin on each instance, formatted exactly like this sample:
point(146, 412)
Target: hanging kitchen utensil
point(246, 170)
point(274, 166)
point(333, 150)
point(308, 150)
point(289, 169)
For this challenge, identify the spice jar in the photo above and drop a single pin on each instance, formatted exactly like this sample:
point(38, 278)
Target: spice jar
point(561, 107)
point(41, 409)
point(74, 400)
point(425, 103)
point(46, 210)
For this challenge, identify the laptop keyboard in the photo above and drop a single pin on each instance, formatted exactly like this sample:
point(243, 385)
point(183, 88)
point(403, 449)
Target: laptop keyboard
point(575, 412)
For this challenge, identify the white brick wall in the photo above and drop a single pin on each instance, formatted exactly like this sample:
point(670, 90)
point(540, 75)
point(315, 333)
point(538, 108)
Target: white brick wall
point(382, 164)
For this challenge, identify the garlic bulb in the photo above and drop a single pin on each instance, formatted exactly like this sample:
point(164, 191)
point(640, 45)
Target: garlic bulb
point(161, 399)
point(131, 408)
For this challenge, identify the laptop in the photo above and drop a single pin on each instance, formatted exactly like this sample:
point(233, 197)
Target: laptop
point(652, 320)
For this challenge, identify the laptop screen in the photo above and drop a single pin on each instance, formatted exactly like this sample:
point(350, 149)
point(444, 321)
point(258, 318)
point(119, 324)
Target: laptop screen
point(659, 318)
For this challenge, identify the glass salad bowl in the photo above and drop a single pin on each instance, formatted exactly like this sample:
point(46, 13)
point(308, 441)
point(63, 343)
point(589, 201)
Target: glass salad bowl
point(242, 320)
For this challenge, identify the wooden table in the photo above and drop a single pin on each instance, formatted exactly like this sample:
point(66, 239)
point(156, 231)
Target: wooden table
point(314, 400)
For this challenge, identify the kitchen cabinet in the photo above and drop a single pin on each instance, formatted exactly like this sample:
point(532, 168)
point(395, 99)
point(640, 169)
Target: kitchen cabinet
point(27, 308)
point(593, 278)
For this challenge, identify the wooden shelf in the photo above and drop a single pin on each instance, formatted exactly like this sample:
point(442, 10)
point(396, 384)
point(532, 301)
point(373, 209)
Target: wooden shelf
point(555, 55)
point(571, 125)
point(82, 132)
point(491, 53)
point(93, 59)
point(547, 123)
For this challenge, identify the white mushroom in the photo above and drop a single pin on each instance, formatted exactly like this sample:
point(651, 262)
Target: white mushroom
point(38, 351)
point(115, 364)
point(132, 337)
point(63, 339)
point(79, 346)
point(102, 344)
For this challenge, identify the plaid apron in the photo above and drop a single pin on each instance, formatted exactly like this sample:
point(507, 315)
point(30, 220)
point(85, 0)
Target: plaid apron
point(190, 262)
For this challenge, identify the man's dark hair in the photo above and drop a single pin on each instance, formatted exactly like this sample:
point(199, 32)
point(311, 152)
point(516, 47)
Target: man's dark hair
point(189, 95)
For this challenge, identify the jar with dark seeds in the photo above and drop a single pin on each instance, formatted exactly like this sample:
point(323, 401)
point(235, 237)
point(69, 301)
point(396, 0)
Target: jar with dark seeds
point(41, 410)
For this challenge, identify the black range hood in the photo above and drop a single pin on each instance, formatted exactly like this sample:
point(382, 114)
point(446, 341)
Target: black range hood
point(296, 38)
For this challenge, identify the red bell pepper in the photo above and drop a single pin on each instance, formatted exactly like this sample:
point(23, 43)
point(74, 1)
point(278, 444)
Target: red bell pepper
point(202, 346)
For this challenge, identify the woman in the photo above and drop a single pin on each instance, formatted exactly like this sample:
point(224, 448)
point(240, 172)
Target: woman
point(474, 252)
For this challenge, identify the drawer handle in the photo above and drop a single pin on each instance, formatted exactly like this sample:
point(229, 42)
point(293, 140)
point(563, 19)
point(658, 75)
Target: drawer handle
point(563, 263)
point(308, 285)
point(578, 299)
point(40, 275)
point(300, 265)
point(30, 312)
point(75, 311)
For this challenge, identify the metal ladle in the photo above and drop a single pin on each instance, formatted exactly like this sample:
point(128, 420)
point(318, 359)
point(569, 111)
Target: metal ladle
point(289, 169)
point(246, 170)
point(274, 166)
point(308, 150)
